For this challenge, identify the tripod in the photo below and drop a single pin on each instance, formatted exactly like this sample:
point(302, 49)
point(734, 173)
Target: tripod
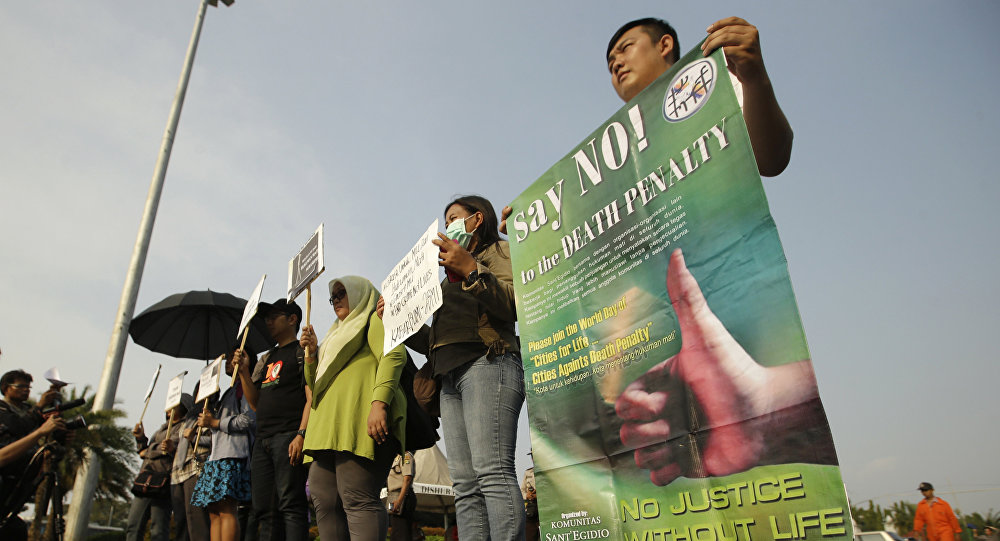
point(52, 491)
point(56, 525)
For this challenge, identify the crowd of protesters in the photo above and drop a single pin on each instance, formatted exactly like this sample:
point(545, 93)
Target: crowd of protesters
point(326, 416)
point(322, 420)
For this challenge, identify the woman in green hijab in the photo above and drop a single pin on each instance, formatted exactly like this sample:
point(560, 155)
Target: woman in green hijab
point(357, 423)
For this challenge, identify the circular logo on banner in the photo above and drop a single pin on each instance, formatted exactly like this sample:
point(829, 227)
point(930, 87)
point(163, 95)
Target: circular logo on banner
point(689, 90)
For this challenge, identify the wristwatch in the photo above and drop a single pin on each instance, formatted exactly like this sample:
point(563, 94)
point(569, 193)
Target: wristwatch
point(472, 277)
point(301, 432)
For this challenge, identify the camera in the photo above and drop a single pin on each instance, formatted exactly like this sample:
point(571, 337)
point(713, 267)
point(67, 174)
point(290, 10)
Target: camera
point(59, 407)
point(75, 423)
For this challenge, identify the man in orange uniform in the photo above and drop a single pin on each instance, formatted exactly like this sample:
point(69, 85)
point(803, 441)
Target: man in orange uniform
point(936, 515)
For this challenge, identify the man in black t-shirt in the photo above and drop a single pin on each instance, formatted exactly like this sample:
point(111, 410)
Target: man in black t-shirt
point(276, 390)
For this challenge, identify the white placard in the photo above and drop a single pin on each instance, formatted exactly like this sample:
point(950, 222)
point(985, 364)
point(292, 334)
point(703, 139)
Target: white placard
point(174, 390)
point(251, 307)
point(306, 265)
point(412, 290)
point(152, 383)
point(208, 383)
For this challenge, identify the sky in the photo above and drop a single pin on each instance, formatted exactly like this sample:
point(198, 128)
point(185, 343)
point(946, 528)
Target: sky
point(370, 116)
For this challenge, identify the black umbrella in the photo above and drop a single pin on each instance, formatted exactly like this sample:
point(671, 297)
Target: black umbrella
point(197, 325)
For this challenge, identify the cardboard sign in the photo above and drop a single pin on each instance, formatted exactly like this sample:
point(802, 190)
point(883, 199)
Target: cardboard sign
point(306, 265)
point(251, 308)
point(208, 384)
point(174, 390)
point(152, 383)
point(412, 290)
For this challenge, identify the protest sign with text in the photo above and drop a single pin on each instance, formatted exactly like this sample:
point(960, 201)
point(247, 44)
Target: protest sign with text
point(208, 383)
point(306, 265)
point(652, 419)
point(174, 390)
point(412, 291)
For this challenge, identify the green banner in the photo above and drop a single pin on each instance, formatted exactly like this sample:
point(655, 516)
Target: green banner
point(695, 419)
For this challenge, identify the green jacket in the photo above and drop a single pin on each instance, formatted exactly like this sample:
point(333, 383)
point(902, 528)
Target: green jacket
point(338, 420)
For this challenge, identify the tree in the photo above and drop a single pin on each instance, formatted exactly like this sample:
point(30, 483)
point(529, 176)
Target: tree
point(978, 520)
point(870, 519)
point(113, 445)
point(902, 514)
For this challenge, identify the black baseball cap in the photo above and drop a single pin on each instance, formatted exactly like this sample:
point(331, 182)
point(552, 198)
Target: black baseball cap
point(281, 306)
point(925, 486)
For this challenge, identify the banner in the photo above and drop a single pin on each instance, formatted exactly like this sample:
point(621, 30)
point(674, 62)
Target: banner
point(670, 390)
point(174, 391)
point(412, 291)
point(306, 265)
point(208, 382)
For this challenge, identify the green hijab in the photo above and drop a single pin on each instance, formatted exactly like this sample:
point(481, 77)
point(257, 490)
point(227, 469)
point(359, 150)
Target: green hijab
point(346, 337)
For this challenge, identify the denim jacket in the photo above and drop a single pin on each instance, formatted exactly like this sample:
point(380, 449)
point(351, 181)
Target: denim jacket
point(233, 438)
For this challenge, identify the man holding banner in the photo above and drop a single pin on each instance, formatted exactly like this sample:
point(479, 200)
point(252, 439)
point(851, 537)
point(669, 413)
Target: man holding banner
point(638, 53)
point(642, 50)
point(688, 411)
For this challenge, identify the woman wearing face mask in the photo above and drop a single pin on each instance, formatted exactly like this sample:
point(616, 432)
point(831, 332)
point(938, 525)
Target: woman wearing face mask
point(356, 426)
point(476, 358)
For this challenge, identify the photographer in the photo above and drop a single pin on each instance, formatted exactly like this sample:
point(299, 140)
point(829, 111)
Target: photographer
point(21, 427)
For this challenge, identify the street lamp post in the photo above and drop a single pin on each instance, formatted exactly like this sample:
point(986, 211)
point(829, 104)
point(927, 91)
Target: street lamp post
point(86, 477)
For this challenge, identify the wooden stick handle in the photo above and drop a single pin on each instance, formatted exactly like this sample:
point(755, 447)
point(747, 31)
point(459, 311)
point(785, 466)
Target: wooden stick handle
point(309, 302)
point(170, 423)
point(236, 371)
point(144, 406)
point(198, 438)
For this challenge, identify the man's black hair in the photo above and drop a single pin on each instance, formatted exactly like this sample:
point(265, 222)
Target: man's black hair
point(489, 233)
point(655, 28)
point(13, 377)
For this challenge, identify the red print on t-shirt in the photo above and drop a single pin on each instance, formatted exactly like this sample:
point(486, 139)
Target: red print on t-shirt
point(273, 373)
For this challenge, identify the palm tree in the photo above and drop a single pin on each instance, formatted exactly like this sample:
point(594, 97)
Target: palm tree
point(992, 518)
point(871, 519)
point(977, 519)
point(902, 514)
point(113, 445)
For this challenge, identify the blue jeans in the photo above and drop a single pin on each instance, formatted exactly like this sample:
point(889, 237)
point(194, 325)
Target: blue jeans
point(480, 404)
point(271, 475)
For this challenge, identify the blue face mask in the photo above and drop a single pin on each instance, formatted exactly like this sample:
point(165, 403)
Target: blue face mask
point(456, 232)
